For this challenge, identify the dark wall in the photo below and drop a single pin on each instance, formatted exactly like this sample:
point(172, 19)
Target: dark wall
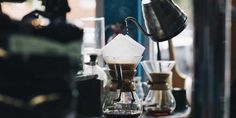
point(233, 65)
point(211, 59)
point(117, 11)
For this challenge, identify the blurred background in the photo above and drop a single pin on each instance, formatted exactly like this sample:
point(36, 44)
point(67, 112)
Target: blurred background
point(207, 29)
point(92, 8)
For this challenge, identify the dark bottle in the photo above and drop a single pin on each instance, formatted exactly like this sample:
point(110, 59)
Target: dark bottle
point(90, 88)
point(89, 99)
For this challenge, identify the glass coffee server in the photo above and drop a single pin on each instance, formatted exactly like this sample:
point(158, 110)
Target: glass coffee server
point(160, 100)
point(122, 102)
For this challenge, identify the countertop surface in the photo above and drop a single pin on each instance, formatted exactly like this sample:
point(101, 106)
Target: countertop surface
point(183, 114)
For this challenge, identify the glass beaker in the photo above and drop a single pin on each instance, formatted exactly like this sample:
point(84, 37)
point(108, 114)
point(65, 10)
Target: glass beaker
point(160, 100)
point(94, 38)
point(123, 101)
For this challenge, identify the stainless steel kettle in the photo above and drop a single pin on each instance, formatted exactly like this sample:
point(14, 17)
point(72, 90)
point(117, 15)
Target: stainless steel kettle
point(163, 19)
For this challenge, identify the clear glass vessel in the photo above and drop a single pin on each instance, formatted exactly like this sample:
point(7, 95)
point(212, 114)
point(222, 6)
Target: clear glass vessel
point(160, 100)
point(122, 101)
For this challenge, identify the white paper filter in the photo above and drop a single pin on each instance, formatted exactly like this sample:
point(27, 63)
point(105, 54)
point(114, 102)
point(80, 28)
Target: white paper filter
point(123, 46)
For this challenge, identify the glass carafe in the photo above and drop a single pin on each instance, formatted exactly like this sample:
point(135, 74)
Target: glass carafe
point(160, 100)
point(123, 101)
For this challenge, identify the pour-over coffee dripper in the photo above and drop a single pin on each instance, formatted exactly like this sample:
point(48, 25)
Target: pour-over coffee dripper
point(159, 100)
point(124, 102)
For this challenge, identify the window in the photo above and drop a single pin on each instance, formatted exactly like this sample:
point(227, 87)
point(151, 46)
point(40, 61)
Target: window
point(79, 8)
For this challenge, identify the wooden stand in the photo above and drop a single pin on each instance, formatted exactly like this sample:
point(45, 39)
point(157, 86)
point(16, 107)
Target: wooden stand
point(178, 80)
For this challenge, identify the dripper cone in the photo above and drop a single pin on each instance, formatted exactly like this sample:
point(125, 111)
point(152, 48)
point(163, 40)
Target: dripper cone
point(122, 67)
point(123, 51)
point(123, 46)
point(162, 68)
